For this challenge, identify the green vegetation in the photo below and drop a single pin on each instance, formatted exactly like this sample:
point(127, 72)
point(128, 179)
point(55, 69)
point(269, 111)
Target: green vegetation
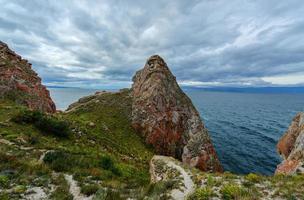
point(233, 191)
point(62, 191)
point(204, 193)
point(160, 189)
point(95, 143)
point(107, 163)
point(45, 123)
point(107, 155)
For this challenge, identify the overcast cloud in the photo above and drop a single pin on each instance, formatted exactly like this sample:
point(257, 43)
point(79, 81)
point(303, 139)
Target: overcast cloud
point(100, 44)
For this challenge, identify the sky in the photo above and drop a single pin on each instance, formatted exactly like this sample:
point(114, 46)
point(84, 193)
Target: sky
point(206, 43)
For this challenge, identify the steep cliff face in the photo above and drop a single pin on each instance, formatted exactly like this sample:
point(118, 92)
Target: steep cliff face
point(291, 147)
point(167, 119)
point(20, 83)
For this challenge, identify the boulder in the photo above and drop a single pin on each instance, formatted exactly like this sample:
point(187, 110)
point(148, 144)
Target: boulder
point(165, 116)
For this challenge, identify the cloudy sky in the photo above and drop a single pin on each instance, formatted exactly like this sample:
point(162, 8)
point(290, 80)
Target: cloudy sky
point(100, 44)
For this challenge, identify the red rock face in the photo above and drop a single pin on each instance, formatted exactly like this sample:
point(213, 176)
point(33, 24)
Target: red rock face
point(20, 83)
point(291, 147)
point(164, 115)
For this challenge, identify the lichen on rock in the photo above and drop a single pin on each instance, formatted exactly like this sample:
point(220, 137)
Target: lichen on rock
point(165, 116)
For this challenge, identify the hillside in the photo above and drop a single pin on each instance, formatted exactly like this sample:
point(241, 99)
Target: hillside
point(106, 146)
point(100, 150)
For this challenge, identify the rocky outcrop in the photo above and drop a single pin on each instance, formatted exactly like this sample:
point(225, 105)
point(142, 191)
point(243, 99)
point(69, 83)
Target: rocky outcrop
point(164, 115)
point(291, 147)
point(20, 83)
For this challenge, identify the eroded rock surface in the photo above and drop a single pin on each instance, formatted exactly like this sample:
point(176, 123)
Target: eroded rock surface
point(164, 115)
point(20, 83)
point(291, 147)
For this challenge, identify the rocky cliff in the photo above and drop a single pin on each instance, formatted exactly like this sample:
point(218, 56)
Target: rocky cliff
point(164, 115)
point(20, 83)
point(291, 147)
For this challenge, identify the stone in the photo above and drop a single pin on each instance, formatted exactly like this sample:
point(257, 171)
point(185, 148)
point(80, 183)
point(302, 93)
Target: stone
point(92, 124)
point(291, 148)
point(20, 83)
point(165, 116)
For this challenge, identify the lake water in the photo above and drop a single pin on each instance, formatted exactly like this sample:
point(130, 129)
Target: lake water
point(244, 127)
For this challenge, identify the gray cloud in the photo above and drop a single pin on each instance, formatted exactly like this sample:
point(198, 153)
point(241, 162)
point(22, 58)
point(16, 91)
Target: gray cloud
point(205, 43)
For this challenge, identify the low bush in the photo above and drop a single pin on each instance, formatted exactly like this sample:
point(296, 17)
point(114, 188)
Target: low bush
point(159, 190)
point(107, 163)
point(202, 194)
point(89, 189)
point(4, 181)
point(233, 191)
point(254, 178)
point(45, 123)
point(58, 160)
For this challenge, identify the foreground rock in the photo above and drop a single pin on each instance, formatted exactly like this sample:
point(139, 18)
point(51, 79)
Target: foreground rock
point(164, 115)
point(20, 83)
point(291, 147)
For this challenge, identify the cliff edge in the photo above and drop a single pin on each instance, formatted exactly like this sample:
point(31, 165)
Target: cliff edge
point(291, 147)
point(19, 83)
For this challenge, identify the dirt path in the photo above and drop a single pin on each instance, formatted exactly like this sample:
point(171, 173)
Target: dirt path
point(75, 189)
point(188, 185)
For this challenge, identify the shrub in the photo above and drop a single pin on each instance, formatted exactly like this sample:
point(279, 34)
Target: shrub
point(254, 178)
point(27, 116)
point(45, 123)
point(33, 139)
point(107, 163)
point(53, 126)
point(232, 191)
point(58, 160)
point(89, 189)
point(107, 194)
point(159, 189)
point(202, 194)
point(4, 181)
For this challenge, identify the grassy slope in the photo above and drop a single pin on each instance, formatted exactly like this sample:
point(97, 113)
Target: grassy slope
point(101, 127)
point(99, 130)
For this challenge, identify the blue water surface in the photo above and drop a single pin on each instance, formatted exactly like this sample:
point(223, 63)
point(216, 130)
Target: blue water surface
point(244, 127)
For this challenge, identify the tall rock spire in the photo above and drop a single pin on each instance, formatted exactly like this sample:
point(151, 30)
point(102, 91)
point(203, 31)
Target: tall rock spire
point(164, 115)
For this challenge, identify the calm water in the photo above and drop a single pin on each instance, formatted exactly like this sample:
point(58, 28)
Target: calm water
point(244, 127)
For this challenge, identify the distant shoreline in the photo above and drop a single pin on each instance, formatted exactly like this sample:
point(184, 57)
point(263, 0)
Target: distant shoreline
point(214, 89)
